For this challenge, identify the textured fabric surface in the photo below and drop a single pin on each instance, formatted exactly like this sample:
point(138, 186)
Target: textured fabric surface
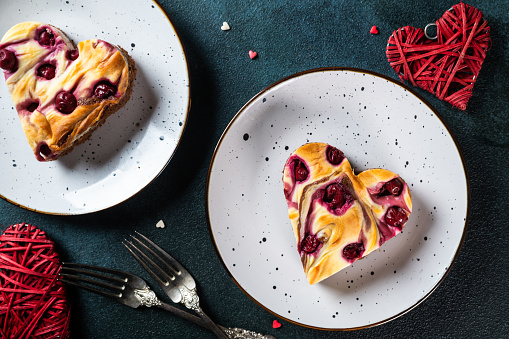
point(293, 36)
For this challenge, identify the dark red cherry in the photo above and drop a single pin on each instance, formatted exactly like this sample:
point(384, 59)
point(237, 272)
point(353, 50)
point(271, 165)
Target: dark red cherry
point(353, 251)
point(45, 150)
point(334, 155)
point(66, 102)
point(46, 38)
point(309, 244)
point(301, 172)
point(394, 187)
point(396, 217)
point(104, 89)
point(32, 107)
point(46, 71)
point(334, 195)
point(73, 54)
point(7, 60)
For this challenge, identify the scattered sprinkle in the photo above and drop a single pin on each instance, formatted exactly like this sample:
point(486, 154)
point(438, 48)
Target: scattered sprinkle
point(252, 54)
point(373, 30)
point(225, 26)
point(160, 224)
point(276, 324)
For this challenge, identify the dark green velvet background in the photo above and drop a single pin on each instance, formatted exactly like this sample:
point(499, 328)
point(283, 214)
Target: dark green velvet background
point(293, 36)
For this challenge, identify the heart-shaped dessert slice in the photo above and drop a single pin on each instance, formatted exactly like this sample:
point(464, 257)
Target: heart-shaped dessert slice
point(33, 302)
point(339, 217)
point(62, 93)
point(447, 65)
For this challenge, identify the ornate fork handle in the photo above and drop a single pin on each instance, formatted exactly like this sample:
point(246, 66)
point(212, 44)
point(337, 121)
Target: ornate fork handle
point(191, 300)
point(239, 333)
point(148, 298)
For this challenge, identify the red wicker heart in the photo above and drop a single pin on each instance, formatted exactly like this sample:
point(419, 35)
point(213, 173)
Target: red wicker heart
point(33, 302)
point(449, 65)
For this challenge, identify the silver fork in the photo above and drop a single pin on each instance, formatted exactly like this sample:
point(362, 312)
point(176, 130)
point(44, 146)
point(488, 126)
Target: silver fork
point(131, 290)
point(173, 278)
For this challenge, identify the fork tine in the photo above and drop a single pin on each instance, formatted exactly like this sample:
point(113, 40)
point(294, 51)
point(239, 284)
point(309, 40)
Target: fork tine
point(95, 268)
point(177, 265)
point(66, 280)
point(168, 261)
point(176, 271)
point(115, 284)
point(128, 244)
point(91, 281)
point(88, 284)
point(93, 274)
point(169, 287)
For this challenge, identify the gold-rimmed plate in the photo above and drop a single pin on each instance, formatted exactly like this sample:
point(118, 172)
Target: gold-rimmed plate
point(376, 122)
point(135, 144)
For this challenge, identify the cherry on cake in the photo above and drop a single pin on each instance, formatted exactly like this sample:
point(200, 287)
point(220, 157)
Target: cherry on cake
point(338, 217)
point(62, 92)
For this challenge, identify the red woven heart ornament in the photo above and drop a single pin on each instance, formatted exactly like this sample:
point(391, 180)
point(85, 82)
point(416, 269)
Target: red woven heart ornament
point(449, 65)
point(33, 302)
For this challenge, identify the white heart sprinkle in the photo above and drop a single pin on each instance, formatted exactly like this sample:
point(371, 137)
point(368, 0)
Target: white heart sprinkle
point(160, 224)
point(225, 26)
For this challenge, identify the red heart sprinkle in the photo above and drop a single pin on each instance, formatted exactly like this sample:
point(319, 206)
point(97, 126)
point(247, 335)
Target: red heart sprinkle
point(252, 54)
point(276, 324)
point(373, 30)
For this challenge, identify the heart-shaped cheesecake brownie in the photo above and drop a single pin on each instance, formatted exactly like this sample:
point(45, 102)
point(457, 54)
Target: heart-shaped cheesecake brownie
point(339, 217)
point(448, 65)
point(33, 302)
point(62, 93)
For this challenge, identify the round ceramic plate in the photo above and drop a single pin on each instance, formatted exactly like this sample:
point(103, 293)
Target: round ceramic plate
point(135, 144)
point(376, 122)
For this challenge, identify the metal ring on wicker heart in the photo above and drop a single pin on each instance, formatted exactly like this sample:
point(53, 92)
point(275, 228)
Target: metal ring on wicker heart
point(432, 24)
point(426, 32)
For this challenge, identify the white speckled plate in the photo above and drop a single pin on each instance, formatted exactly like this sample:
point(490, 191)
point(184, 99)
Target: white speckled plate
point(376, 122)
point(135, 144)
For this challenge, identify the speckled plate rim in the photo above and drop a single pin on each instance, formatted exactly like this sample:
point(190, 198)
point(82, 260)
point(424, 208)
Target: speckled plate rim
point(184, 124)
point(348, 69)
